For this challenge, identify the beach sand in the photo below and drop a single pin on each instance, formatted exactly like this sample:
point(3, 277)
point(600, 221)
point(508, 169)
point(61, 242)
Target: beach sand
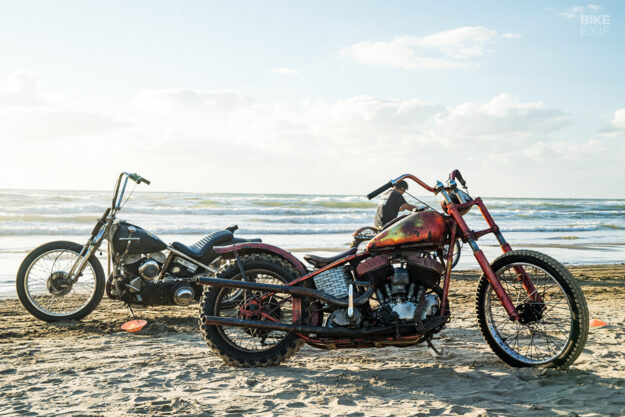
point(93, 368)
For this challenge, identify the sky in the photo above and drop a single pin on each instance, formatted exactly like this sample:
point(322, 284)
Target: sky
point(526, 98)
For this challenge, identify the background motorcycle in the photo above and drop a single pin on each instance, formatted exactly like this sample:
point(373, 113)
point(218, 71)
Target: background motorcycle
point(64, 280)
point(530, 309)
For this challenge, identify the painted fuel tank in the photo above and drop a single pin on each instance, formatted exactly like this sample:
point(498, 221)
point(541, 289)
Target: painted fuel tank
point(421, 227)
point(133, 240)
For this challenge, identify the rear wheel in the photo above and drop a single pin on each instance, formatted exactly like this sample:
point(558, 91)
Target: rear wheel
point(551, 333)
point(241, 346)
point(45, 290)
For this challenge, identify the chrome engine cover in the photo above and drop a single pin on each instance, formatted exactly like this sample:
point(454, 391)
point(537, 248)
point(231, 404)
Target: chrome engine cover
point(432, 303)
point(404, 310)
point(184, 295)
point(149, 269)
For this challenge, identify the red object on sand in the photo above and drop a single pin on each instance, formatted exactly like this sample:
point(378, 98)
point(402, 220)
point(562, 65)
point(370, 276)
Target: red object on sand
point(597, 323)
point(134, 325)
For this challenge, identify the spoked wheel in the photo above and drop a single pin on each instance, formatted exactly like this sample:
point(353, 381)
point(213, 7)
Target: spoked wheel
point(241, 346)
point(549, 333)
point(235, 294)
point(45, 289)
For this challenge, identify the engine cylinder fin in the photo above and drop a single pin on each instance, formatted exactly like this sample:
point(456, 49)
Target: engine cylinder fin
point(375, 270)
point(424, 270)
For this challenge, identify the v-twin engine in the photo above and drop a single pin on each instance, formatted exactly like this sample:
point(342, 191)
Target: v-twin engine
point(139, 282)
point(405, 290)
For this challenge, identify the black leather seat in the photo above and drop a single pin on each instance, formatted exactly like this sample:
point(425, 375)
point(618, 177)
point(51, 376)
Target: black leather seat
point(320, 261)
point(202, 246)
point(202, 250)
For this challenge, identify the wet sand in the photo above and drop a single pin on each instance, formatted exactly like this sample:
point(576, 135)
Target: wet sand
point(92, 368)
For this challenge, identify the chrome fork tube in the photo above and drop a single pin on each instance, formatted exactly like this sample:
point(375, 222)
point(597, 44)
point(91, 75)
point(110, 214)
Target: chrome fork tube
point(91, 246)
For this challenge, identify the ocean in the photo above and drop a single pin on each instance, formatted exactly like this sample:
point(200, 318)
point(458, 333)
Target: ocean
point(574, 231)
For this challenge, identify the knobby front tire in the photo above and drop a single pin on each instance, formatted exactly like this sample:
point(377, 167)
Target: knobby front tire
point(46, 294)
point(554, 332)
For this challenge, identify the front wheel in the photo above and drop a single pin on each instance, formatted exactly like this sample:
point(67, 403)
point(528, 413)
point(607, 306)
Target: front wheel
point(551, 332)
point(44, 289)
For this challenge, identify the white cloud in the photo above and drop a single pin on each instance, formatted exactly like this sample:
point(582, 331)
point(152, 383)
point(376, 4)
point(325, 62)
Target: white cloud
point(565, 151)
point(317, 126)
point(226, 141)
point(502, 117)
point(617, 124)
point(619, 119)
point(284, 71)
point(187, 99)
point(456, 48)
point(29, 112)
point(23, 88)
point(576, 11)
point(320, 140)
point(464, 42)
point(48, 124)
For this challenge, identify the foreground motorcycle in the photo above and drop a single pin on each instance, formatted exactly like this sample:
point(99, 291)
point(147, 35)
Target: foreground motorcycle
point(530, 309)
point(64, 280)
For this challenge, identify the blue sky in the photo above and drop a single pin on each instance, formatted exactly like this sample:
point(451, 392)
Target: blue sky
point(291, 96)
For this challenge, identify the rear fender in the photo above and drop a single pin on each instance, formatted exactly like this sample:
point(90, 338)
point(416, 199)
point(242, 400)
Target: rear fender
point(228, 252)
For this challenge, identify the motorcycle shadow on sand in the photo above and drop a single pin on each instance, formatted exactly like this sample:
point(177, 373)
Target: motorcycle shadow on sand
point(445, 386)
point(104, 321)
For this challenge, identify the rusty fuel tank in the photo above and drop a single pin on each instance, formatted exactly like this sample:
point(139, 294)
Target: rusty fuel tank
point(422, 227)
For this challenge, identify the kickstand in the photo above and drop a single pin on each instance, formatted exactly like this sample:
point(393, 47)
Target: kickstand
point(433, 351)
point(132, 313)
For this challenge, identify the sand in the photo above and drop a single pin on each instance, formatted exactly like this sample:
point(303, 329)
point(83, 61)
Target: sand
point(93, 368)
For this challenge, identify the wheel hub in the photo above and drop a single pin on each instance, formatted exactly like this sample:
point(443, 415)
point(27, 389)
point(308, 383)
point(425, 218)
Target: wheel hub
point(250, 310)
point(530, 312)
point(59, 284)
point(254, 310)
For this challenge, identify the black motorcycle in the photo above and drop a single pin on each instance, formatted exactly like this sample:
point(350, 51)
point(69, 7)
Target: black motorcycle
point(64, 280)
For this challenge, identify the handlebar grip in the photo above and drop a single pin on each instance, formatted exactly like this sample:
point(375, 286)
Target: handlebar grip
point(380, 190)
point(138, 179)
point(457, 175)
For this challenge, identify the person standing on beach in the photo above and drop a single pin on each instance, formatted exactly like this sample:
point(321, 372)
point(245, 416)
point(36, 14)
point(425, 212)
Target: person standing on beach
point(391, 203)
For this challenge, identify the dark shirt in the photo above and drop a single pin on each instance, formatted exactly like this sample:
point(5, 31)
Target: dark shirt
point(388, 208)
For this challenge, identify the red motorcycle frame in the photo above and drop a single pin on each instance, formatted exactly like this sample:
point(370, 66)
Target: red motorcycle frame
point(426, 230)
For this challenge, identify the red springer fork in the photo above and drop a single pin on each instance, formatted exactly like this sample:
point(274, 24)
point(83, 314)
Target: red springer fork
point(471, 237)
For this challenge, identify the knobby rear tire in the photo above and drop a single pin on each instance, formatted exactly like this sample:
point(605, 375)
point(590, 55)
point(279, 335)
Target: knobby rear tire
point(215, 337)
point(565, 283)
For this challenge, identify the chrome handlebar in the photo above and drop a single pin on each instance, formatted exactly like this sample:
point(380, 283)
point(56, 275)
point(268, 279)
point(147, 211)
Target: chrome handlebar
point(136, 178)
point(117, 196)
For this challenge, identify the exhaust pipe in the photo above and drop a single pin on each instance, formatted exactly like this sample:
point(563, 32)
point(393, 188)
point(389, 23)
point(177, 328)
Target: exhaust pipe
point(405, 328)
point(271, 325)
point(289, 289)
